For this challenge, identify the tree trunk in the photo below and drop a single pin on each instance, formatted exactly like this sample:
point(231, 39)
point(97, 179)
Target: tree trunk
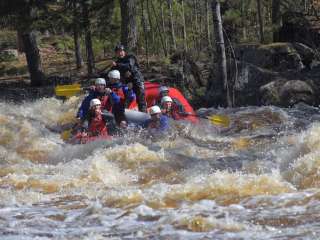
point(208, 24)
point(173, 35)
point(20, 46)
point(145, 31)
point(220, 49)
point(33, 59)
point(276, 19)
point(243, 20)
point(151, 28)
point(76, 37)
point(185, 46)
point(260, 19)
point(163, 26)
point(25, 20)
point(88, 40)
point(159, 30)
point(77, 49)
point(128, 24)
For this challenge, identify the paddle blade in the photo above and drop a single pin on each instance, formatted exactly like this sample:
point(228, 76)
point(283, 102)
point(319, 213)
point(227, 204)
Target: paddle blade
point(67, 90)
point(220, 120)
point(65, 135)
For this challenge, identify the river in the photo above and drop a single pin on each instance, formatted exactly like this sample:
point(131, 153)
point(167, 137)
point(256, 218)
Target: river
point(257, 179)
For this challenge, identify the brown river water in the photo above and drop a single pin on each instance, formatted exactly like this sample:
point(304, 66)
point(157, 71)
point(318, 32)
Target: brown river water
point(257, 179)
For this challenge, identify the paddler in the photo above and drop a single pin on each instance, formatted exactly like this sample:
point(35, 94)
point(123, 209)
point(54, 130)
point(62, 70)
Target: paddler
point(94, 126)
point(121, 96)
point(97, 91)
point(158, 123)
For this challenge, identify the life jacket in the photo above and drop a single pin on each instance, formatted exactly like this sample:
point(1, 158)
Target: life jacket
point(117, 89)
point(174, 112)
point(161, 125)
point(105, 103)
point(85, 105)
point(97, 126)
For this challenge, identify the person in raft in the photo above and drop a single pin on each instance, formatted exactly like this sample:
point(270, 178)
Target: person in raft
point(169, 108)
point(121, 96)
point(158, 123)
point(129, 69)
point(97, 91)
point(165, 91)
point(94, 126)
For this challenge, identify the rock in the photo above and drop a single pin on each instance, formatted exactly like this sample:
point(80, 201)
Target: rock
point(286, 93)
point(250, 79)
point(275, 56)
point(295, 91)
point(270, 93)
point(306, 53)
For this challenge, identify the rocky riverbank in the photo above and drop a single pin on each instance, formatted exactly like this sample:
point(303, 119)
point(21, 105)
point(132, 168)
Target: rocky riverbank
point(280, 74)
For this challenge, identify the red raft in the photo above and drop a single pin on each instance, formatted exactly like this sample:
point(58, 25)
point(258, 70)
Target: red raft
point(152, 96)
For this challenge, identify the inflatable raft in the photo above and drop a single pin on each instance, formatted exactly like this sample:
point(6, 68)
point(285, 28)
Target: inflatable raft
point(152, 96)
point(133, 116)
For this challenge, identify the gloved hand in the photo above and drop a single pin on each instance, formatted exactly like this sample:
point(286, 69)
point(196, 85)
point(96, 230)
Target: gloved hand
point(98, 111)
point(85, 125)
point(130, 85)
point(127, 74)
point(108, 91)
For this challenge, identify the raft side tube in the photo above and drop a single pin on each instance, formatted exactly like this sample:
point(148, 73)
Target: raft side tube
point(132, 116)
point(136, 117)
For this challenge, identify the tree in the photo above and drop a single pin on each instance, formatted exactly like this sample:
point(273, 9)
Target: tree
point(173, 35)
point(276, 18)
point(220, 49)
point(184, 27)
point(208, 23)
point(76, 34)
point(145, 31)
point(25, 16)
point(88, 37)
point(260, 19)
point(128, 24)
point(159, 30)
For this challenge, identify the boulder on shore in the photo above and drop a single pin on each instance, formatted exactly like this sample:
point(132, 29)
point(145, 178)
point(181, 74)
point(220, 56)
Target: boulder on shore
point(276, 56)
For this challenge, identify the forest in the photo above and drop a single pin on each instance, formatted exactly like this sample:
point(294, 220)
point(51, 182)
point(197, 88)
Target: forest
point(219, 53)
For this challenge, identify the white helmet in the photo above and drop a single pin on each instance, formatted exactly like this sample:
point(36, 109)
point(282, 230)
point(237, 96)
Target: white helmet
point(114, 74)
point(100, 81)
point(154, 109)
point(166, 99)
point(163, 89)
point(94, 102)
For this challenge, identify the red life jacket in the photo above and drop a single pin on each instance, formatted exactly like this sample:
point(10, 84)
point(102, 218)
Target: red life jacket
point(105, 103)
point(97, 126)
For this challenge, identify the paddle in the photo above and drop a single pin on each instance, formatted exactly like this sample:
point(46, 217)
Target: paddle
point(216, 119)
point(74, 89)
point(219, 120)
point(68, 90)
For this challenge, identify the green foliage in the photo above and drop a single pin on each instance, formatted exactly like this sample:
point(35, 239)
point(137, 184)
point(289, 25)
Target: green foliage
point(98, 47)
point(8, 39)
point(6, 58)
point(164, 61)
point(60, 43)
point(12, 68)
point(232, 15)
